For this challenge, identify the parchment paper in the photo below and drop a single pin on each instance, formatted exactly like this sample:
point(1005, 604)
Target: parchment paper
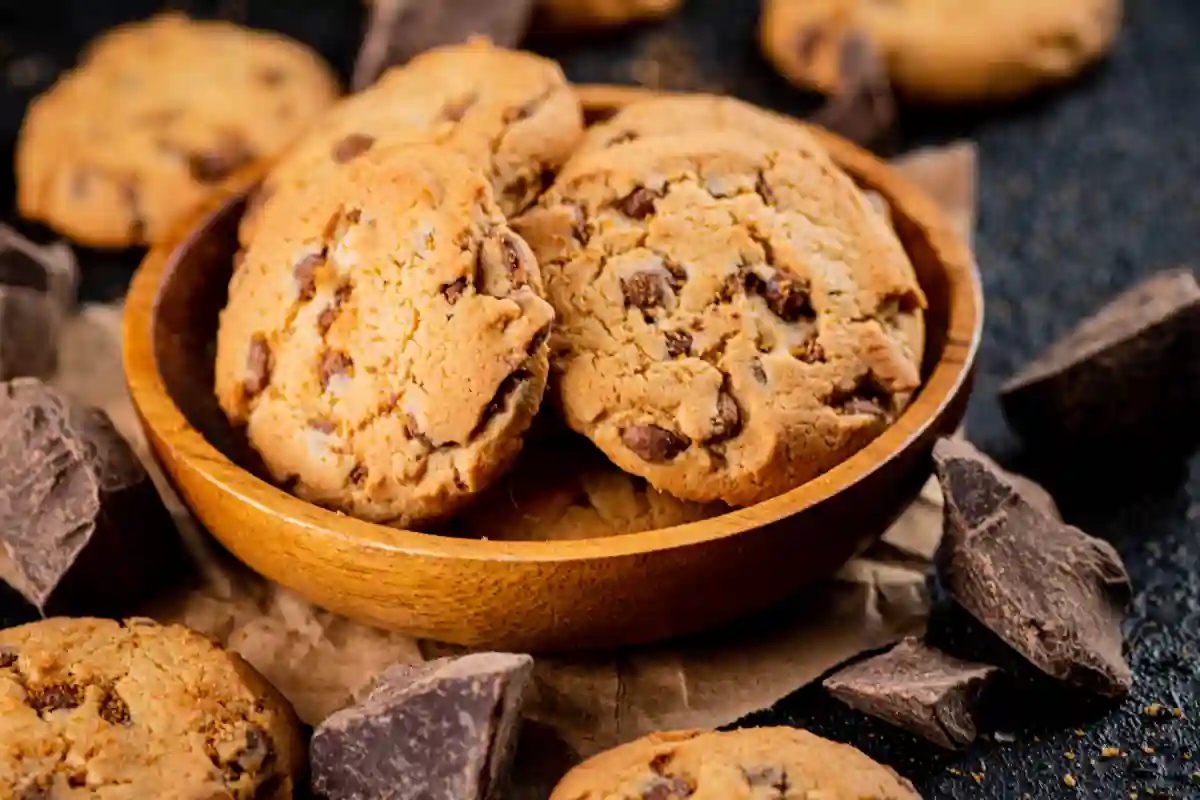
point(579, 704)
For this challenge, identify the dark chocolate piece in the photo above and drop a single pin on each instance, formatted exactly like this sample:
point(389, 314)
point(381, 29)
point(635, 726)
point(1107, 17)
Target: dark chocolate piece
point(82, 523)
point(29, 325)
point(920, 689)
point(443, 730)
point(397, 30)
point(51, 269)
point(1127, 378)
point(1051, 592)
point(864, 108)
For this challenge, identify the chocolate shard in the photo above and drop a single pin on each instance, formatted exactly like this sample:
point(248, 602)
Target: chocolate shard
point(1127, 378)
point(80, 520)
point(37, 291)
point(397, 30)
point(920, 689)
point(1051, 592)
point(51, 269)
point(443, 730)
point(864, 108)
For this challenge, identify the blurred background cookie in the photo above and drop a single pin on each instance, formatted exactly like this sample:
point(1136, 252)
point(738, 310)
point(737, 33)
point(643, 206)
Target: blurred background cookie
point(156, 119)
point(584, 15)
point(942, 51)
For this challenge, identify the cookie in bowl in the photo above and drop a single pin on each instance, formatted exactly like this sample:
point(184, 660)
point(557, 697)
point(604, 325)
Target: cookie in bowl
point(384, 342)
point(156, 120)
point(733, 318)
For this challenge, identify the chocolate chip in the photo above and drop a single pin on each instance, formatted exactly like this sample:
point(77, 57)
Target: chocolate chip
point(326, 318)
point(764, 190)
point(218, 163)
point(772, 776)
point(272, 76)
point(528, 109)
point(258, 365)
point(137, 224)
point(810, 352)
point(787, 296)
point(332, 364)
point(760, 374)
point(455, 111)
point(358, 474)
point(645, 290)
point(114, 710)
point(866, 397)
point(514, 260)
point(639, 203)
point(504, 391)
point(662, 787)
point(351, 147)
point(322, 425)
point(8, 657)
point(353, 216)
point(654, 443)
point(622, 138)
point(679, 343)
point(502, 263)
point(55, 697)
point(454, 290)
point(728, 422)
point(305, 273)
point(256, 753)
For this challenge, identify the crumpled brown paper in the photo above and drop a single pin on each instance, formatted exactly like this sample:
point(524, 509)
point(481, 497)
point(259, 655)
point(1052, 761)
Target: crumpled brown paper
point(579, 704)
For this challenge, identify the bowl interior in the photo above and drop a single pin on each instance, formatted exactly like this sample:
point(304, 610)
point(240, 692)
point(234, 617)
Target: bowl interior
point(562, 488)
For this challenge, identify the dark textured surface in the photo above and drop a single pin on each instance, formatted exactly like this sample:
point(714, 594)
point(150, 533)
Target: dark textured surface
point(1083, 191)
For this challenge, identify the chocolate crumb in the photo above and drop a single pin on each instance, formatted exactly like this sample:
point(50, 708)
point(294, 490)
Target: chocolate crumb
point(639, 203)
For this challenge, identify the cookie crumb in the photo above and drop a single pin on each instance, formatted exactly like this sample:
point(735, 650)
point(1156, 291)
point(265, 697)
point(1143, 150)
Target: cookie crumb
point(1111, 752)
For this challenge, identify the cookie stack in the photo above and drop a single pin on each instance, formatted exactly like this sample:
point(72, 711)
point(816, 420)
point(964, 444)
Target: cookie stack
point(693, 284)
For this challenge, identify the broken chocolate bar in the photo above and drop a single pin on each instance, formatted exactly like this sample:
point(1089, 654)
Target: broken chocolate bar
point(51, 269)
point(864, 108)
point(397, 30)
point(1128, 378)
point(82, 523)
point(919, 689)
point(1054, 594)
point(443, 730)
point(37, 290)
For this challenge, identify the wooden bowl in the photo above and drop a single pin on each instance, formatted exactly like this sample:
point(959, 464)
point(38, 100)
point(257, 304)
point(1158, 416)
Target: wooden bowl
point(539, 595)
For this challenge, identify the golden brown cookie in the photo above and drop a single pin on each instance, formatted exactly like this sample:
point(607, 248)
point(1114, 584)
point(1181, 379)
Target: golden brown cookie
point(156, 120)
point(563, 489)
point(745, 764)
point(385, 338)
point(134, 710)
point(943, 51)
point(510, 112)
point(601, 14)
point(733, 318)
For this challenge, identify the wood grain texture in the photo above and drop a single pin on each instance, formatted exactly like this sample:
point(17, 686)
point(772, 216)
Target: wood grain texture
point(538, 595)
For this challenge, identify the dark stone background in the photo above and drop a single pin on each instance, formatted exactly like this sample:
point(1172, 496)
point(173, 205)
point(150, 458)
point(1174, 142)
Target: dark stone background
point(1083, 191)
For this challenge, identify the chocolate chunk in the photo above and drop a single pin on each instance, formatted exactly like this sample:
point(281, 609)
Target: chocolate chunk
point(654, 443)
point(51, 269)
point(1127, 379)
point(787, 296)
point(114, 710)
point(29, 326)
point(864, 108)
point(258, 365)
point(504, 263)
point(646, 290)
point(219, 162)
point(639, 203)
point(82, 523)
point(305, 273)
point(8, 657)
point(351, 147)
point(400, 29)
point(1051, 592)
point(679, 343)
point(55, 697)
point(664, 787)
point(326, 317)
point(442, 729)
point(920, 689)
point(454, 290)
point(728, 422)
point(332, 364)
point(773, 777)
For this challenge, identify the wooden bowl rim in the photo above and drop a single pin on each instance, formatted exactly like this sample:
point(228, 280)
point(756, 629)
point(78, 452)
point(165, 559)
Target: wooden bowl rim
point(166, 423)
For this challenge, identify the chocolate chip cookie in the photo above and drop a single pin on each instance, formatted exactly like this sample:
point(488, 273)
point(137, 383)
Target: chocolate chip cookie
point(384, 343)
point(942, 51)
point(734, 318)
point(133, 710)
point(510, 112)
point(602, 14)
point(157, 119)
point(751, 763)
